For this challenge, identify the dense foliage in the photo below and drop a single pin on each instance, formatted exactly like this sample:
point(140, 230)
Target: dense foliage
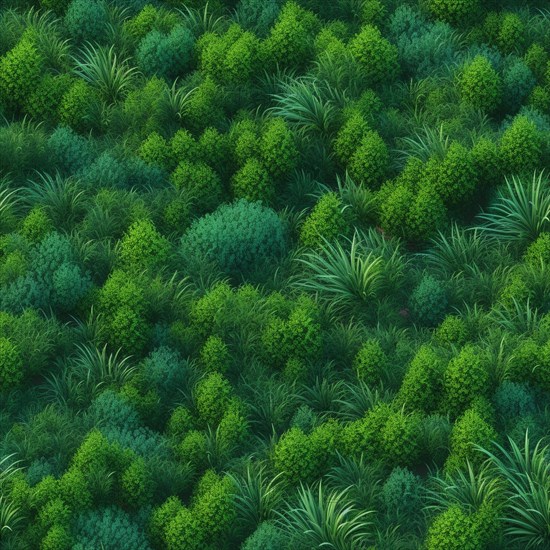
point(274, 274)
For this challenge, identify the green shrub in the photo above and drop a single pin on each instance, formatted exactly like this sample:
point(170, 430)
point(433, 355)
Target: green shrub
point(290, 41)
point(212, 397)
point(395, 204)
point(511, 33)
point(239, 237)
point(266, 537)
point(193, 449)
point(204, 108)
point(454, 529)
point(426, 214)
point(278, 148)
point(466, 378)
point(422, 381)
point(326, 221)
point(521, 146)
point(479, 84)
point(455, 177)
point(136, 484)
point(252, 182)
point(20, 70)
point(456, 12)
point(36, 225)
point(469, 430)
point(43, 102)
point(370, 161)
point(400, 437)
point(486, 159)
point(11, 365)
point(453, 330)
point(215, 356)
point(78, 105)
point(142, 246)
point(154, 150)
point(183, 532)
point(538, 252)
point(352, 132)
point(402, 494)
point(377, 56)
point(371, 362)
point(58, 537)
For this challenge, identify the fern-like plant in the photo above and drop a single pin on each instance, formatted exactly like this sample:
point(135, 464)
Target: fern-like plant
point(521, 211)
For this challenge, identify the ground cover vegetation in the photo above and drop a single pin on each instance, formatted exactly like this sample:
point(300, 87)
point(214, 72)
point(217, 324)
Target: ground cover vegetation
point(274, 274)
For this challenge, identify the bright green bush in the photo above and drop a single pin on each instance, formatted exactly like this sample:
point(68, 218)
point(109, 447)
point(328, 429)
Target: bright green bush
point(136, 483)
point(252, 182)
point(212, 397)
point(454, 529)
point(36, 225)
point(377, 56)
point(466, 378)
point(453, 330)
point(521, 146)
point(469, 430)
point(538, 252)
point(20, 69)
point(422, 381)
point(326, 221)
point(238, 237)
point(58, 537)
point(11, 365)
point(278, 148)
point(290, 41)
point(215, 356)
point(371, 362)
point(143, 246)
point(480, 85)
point(352, 132)
point(370, 161)
point(426, 214)
point(77, 106)
point(400, 437)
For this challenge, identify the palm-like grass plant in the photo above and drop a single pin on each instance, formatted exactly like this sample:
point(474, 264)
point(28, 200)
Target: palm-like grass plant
point(61, 197)
point(257, 497)
point(424, 145)
point(102, 68)
point(306, 104)
point(324, 519)
point(176, 101)
point(349, 276)
point(10, 514)
point(526, 472)
point(521, 211)
point(201, 21)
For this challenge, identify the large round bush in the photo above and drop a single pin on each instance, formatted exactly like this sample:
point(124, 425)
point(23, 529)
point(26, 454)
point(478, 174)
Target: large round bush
point(238, 237)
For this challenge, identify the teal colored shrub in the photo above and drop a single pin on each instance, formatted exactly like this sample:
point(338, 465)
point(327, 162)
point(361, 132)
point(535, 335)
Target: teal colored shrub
point(290, 40)
point(456, 12)
point(428, 301)
point(518, 82)
point(215, 356)
point(402, 493)
point(86, 20)
point(110, 409)
point(70, 152)
point(165, 370)
point(480, 85)
point(257, 15)
point(377, 56)
point(266, 537)
point(513, 400)
point(20, 69)
point(212, 397)
point(466, 378)
point(166, 55)
point(469, 430)
point(371, 362)
point(201, 182)
point(326, 221)
point(423, 381)
point(238, 237)
point(521, 146)
point(110, 528)
point(11, 365)
point(370, 161)
point(253, 183)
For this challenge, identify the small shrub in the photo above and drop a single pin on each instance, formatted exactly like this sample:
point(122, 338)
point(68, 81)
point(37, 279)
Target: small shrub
point(252, 182)
point(521, 146)
point(326, 221)
point(428, 301)
point(371, 362)
point(479, 84)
